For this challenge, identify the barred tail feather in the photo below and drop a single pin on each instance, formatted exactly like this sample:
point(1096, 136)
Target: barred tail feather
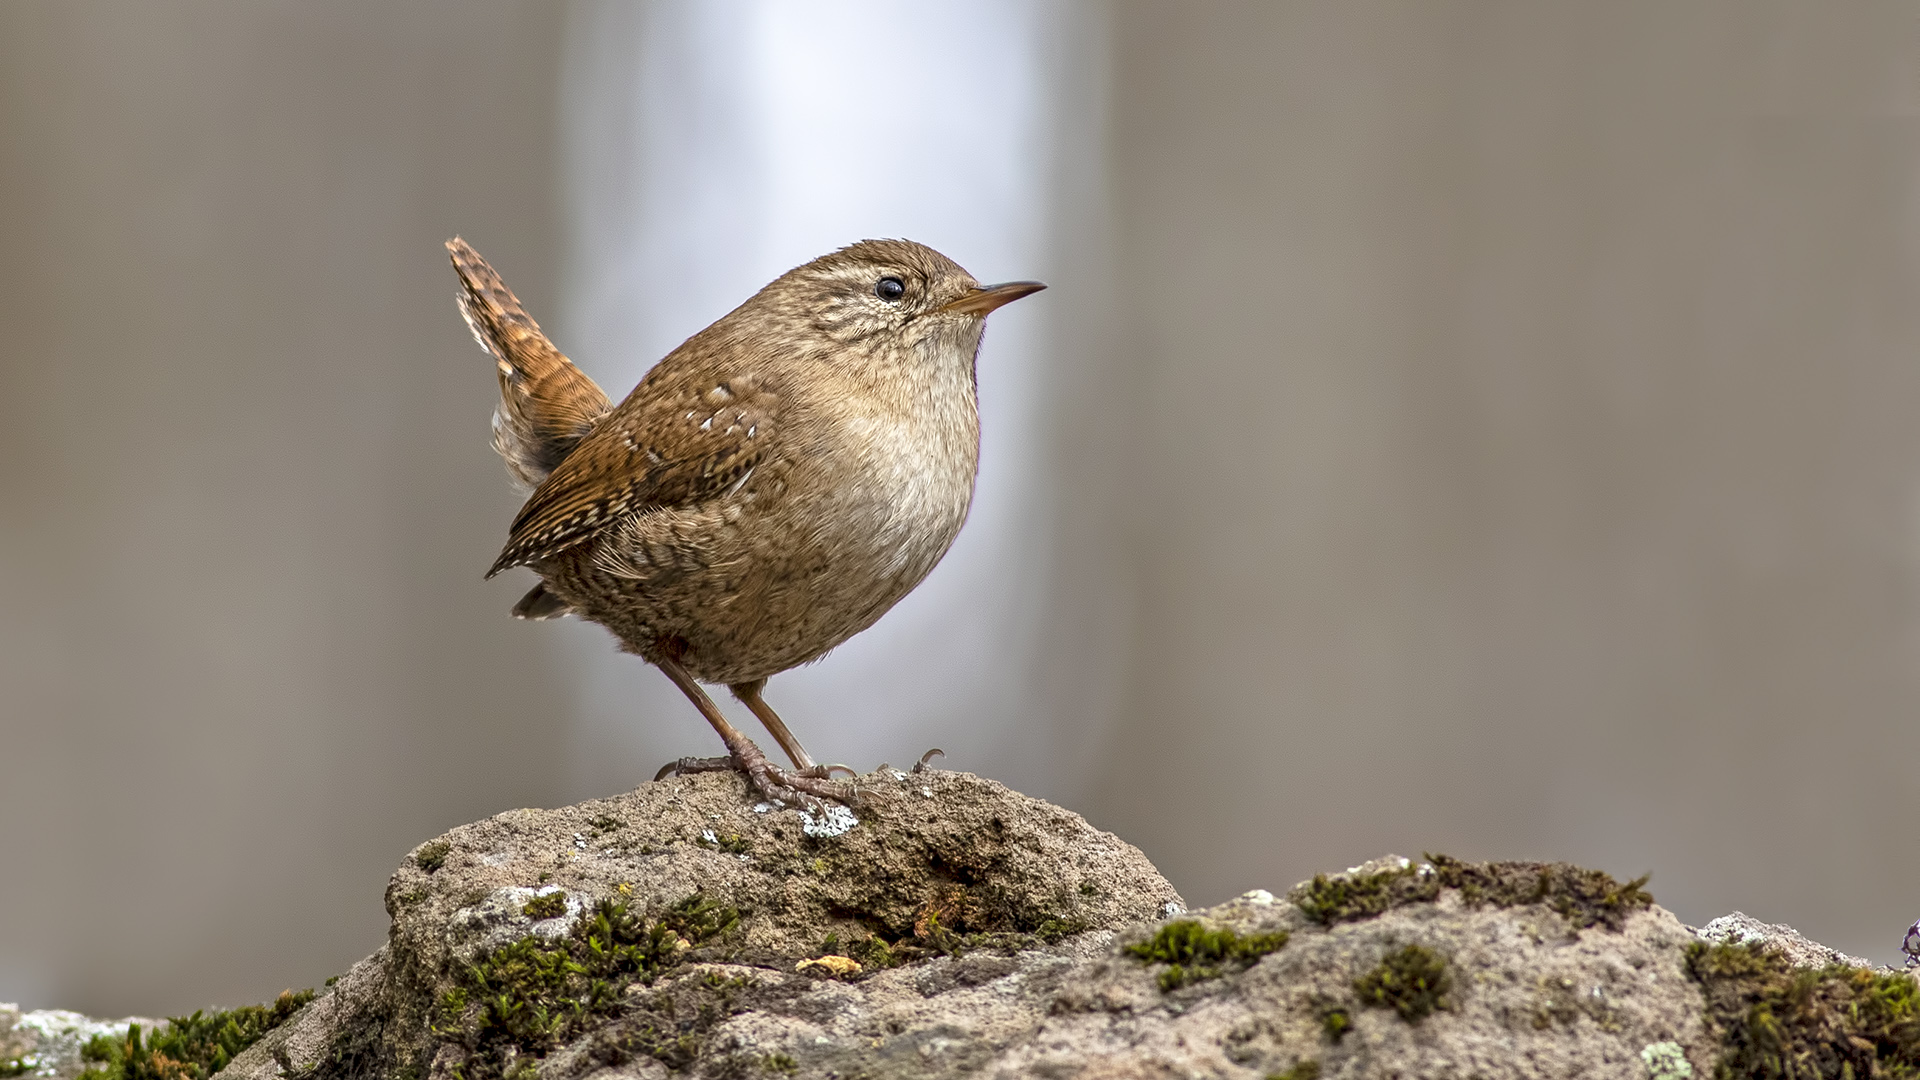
point(547, 405)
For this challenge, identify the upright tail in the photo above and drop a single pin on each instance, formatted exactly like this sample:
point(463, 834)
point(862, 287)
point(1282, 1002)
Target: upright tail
point(546, 404)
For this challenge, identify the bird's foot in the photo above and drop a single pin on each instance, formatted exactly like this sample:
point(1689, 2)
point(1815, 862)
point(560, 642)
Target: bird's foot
point(919, 767)
point(687, 766)
point(807, 787)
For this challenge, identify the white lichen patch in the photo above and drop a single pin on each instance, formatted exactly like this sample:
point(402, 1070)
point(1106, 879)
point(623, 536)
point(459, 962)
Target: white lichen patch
point(833, 821)
point(53, 1037)
point(1740, 928)
point(501, 918)
point(1666, 1061)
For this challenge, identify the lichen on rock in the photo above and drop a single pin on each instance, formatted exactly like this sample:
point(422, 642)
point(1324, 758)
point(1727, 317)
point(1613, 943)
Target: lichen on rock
point(974, 933)
point(47, 1043)
point(672, 928)
point(956, 928)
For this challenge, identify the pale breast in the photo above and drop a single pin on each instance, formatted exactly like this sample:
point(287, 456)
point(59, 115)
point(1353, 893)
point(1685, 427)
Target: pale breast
point(909, 496)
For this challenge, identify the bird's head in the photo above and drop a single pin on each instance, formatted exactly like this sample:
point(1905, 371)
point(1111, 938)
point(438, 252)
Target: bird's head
point(888, 291)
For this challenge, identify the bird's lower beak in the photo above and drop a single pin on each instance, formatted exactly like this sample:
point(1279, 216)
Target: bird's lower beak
point(987, 297)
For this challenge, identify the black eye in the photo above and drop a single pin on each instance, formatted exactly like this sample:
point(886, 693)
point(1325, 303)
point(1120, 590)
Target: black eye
point(890, 289)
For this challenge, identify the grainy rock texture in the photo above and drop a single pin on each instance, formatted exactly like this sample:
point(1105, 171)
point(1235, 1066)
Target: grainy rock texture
point(956, 879)
point(951, 927)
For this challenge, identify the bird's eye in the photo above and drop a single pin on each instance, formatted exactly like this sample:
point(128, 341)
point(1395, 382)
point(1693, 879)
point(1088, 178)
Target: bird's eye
point(890, 289)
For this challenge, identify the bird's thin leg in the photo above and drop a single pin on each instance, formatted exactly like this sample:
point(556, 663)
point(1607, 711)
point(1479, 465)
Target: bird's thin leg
point(762, 775)
point(749, 695)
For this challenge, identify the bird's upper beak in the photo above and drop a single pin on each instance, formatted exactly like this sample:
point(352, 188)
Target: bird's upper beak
point(987, 297)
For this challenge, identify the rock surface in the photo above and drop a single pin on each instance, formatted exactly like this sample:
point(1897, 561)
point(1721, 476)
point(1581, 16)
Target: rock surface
point(47, 1042)
point(957, 879)
point(1741, 928)
point(951, 927)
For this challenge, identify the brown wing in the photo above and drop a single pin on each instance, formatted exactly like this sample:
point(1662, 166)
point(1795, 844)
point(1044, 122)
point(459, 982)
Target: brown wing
point(546, 404)
point(676, 441)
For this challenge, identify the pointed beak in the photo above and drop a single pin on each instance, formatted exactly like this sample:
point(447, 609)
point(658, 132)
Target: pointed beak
point(987, 297)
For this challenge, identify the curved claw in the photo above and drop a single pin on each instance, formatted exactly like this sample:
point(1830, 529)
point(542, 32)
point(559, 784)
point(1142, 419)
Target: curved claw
point(685, 765)
point(928, 756)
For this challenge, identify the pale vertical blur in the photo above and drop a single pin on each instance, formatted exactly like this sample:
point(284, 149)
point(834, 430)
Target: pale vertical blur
point(1483, 428)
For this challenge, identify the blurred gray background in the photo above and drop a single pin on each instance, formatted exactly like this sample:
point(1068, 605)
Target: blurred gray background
point(1466, 427)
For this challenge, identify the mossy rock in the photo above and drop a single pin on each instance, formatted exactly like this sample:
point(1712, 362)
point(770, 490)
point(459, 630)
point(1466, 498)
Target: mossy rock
point(1411, 980)
point(1193, 951)
point(1584, 897)
point(960, 929)
point(188, 1047)
point(1778, 1021)
point(516, 936)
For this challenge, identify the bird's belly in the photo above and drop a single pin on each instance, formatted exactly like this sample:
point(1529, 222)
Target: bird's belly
point(762, 583)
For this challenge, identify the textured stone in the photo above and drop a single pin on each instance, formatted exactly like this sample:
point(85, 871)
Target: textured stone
point(1741, 928)
point(957, 928)
point(930, 861)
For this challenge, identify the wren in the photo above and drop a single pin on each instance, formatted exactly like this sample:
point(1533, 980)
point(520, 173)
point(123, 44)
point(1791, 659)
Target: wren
point(768, 490)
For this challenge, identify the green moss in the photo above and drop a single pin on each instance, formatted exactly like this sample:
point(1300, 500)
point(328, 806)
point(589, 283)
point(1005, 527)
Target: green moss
point(546, 905)
point(189, 1047)
point(1302, 1070)
point(933, 938)
point(1053, 931)
point(1777, 1020)
point(873, 952)
point(528, 997)
point(432, 855)
point(732, 844)
point(1194, 951)
point(1412, 981)
point(1352, 897)
point(19, 1066)
point(780, 1063)
point(1335, 1022)
point(1584, 897)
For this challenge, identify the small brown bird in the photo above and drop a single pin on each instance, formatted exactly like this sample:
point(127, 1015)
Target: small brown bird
point(769, 490)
